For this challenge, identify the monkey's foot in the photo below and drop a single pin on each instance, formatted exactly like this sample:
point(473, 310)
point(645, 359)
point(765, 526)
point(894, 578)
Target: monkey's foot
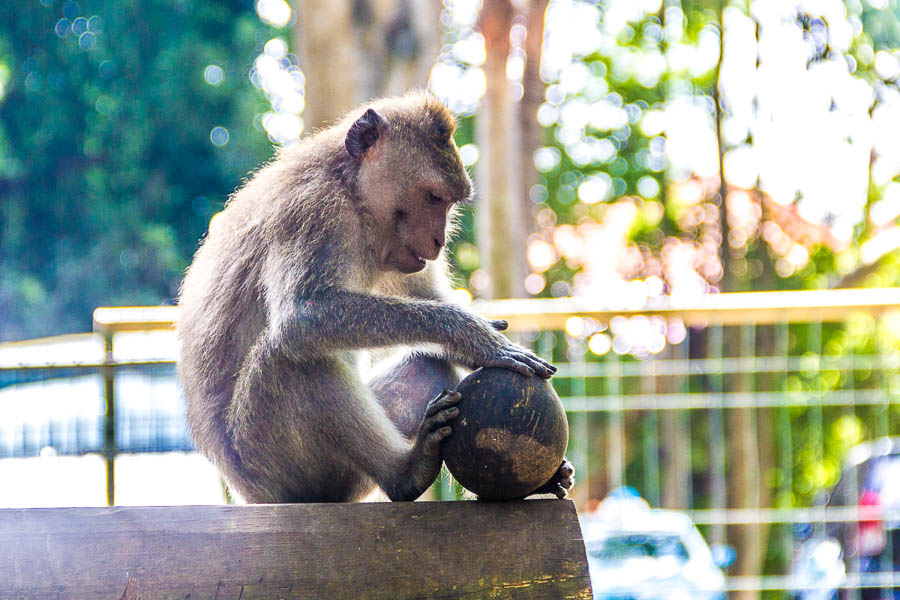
point(560, 483)
point(434, 429)
point(424, 462)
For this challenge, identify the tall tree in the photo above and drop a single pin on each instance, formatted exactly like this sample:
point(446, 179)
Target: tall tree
point(324, 35)
point(743, 473)
point(533, 88)
point(354, 50)
point(500, 226)
point(123, 128)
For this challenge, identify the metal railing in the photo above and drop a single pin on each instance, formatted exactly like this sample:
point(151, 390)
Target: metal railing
point(738, 409)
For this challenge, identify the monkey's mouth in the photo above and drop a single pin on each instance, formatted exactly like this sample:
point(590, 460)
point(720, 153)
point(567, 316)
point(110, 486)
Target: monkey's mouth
point(418, 258)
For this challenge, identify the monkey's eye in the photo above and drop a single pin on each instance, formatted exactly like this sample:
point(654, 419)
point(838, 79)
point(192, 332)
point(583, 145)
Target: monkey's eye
point(434, 199)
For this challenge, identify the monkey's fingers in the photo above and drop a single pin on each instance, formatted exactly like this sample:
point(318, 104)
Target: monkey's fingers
point(547, 366)
point(509, 361)
point(445, 400)
point(541, 367)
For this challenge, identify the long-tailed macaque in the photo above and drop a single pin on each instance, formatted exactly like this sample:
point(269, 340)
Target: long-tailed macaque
point(332, 248)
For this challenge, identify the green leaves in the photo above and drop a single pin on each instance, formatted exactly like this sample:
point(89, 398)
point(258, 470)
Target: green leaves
point(105, 145)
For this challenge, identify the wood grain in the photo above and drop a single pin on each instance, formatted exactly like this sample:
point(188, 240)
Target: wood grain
point(527, 549)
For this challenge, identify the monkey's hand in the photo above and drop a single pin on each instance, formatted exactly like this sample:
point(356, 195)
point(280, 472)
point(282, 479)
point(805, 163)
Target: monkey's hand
point(483, 346)
point(560, 483)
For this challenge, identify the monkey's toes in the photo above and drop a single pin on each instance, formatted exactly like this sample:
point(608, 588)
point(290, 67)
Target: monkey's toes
point(440, 411)
point(565, 475)
point(432, 440)
point(441, 418)
point(561, 482)
point(441, 433)
point(556, 486)
point(560, 491)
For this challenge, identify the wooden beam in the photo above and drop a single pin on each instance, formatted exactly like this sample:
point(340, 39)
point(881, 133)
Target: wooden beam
point(526, 549)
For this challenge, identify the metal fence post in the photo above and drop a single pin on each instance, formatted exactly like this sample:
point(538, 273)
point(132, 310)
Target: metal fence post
point(109, 425)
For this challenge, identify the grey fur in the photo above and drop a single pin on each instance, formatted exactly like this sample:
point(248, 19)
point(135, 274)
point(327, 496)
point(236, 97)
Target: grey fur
point(313, 259)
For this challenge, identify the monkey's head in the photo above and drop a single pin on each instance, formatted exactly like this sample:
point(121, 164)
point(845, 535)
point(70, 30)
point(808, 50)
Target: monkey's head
point(410, 177)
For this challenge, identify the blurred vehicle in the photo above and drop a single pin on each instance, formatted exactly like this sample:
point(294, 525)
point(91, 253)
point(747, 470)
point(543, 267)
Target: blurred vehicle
point(870, 480)
point(864, 553)
point(817, 570)
point(639, 553)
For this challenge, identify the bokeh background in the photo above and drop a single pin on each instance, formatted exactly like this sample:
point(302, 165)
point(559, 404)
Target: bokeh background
point(124, 127)
point(628, 155)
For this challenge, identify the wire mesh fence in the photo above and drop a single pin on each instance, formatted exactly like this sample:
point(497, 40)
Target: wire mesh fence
point(771, 421)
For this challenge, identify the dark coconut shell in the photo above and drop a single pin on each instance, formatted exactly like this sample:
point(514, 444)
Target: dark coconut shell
point(510, 437)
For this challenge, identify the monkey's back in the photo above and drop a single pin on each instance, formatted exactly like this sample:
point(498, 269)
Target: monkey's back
point(222, 297)
point(221, 315)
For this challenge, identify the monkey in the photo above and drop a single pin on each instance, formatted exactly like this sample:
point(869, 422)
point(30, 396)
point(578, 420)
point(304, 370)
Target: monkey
point(333, 248)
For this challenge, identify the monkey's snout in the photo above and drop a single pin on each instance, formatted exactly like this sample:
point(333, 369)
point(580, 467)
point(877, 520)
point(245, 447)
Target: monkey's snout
point(439, 238)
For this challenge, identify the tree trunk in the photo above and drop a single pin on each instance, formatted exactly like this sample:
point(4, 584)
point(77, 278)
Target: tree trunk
point(421, 19)
point(499, 233)
point(532, 97)
point(354, 50)
point(325, 42)
point(743, 473)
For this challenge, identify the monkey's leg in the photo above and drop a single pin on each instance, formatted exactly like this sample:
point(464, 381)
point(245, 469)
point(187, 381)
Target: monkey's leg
point(318, 434)
point(404, 386)
point(407, 474)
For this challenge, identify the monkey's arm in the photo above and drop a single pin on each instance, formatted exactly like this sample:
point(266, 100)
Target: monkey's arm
point(334, 320)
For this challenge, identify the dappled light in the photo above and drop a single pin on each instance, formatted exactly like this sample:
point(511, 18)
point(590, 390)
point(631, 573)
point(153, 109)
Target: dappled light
point(802, 137)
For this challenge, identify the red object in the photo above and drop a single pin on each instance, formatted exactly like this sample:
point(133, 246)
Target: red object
point(869, 508)
point(871, 539)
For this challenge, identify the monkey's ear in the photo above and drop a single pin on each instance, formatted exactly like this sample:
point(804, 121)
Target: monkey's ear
point(364, 133)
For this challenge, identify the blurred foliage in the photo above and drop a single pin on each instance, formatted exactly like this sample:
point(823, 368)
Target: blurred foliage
point(639, 70)
point(810, 442)
point(108, 174)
